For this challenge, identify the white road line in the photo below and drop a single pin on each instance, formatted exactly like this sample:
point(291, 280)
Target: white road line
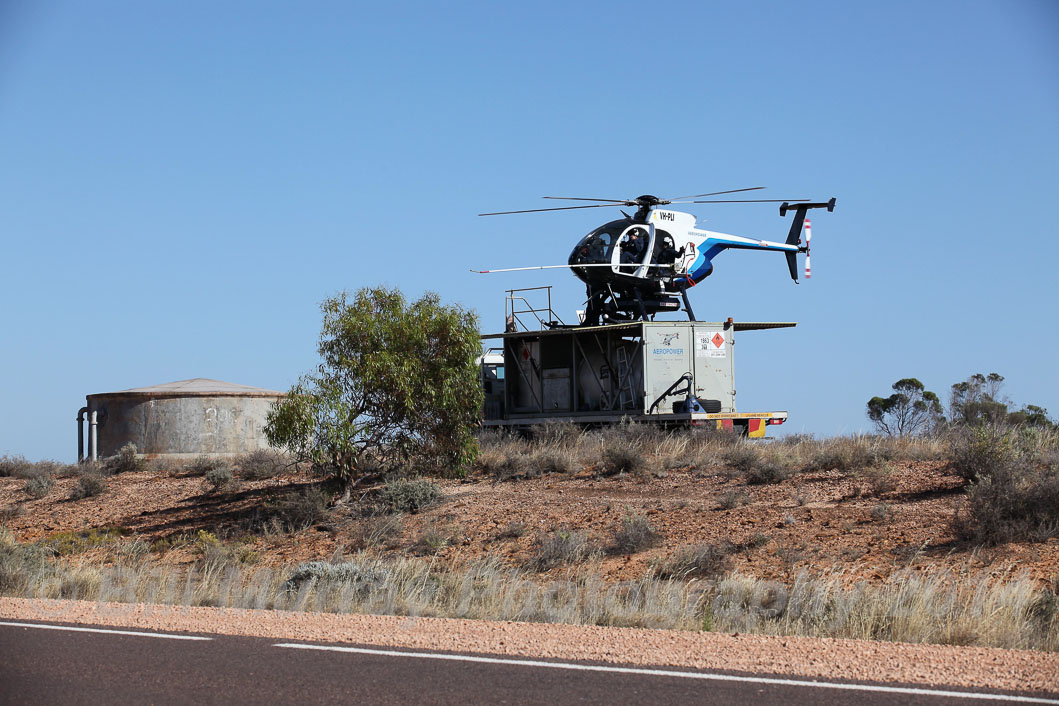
point(671, 673)
point(109, 632)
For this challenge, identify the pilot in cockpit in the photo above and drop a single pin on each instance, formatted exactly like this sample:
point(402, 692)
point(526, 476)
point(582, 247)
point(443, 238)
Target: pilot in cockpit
point(633, 247)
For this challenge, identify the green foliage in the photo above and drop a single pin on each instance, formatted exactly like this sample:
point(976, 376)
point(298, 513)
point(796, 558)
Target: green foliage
point(976, 401)
point(398, 381)
point(1031, 415)
point(66, 543)
point(911, 409)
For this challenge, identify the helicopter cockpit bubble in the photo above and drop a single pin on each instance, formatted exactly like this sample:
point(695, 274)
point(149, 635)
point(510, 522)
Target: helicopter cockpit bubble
point(596, 247)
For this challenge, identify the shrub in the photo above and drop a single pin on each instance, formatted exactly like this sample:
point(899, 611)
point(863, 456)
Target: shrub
point(755, 466)
point(880, 512)
point(204, 464)
point(623, 458)
point(398, 382)
point(1014, 502)
point(557, 461)
point(219, 478)
point(563, 546)
point(38, 486)
point(513, 466)
point(844, 455)
point(556, 433)
point(979, 453)
point(634, 534)
point(410, 496)
point(125, 461)
point(732, 499)
point(88, 485)
point(261, 464)
point(15, 467)
point(699, 561)
point(326, 572)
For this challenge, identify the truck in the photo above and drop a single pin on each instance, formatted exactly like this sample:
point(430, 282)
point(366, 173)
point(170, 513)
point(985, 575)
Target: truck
point(674, 373)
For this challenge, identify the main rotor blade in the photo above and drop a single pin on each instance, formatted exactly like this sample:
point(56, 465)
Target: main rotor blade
point(578, 198)
point(717, 193)
point(563, 208)
point(746, 201)
point(557, 267)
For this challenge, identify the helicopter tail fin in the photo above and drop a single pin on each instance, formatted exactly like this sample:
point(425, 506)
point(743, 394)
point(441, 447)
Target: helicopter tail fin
point(792, 265)
point(794, 235)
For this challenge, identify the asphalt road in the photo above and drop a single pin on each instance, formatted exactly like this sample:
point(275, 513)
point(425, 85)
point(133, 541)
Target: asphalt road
point(77, 665)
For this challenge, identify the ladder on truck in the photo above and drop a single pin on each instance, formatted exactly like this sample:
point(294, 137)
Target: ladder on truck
point(626, 397)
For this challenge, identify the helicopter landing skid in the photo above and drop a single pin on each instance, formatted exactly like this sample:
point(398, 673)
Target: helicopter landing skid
point(606, 306)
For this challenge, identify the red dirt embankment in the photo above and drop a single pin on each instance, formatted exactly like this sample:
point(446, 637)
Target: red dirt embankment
point(817, 520)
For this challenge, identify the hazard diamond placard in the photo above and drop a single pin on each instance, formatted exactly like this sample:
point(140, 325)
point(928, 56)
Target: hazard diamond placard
point(710, 345)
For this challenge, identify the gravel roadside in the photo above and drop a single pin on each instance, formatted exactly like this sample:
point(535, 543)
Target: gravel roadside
point(934, 665)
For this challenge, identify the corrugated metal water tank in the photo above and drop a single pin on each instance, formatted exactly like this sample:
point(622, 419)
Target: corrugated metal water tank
point(187, 418)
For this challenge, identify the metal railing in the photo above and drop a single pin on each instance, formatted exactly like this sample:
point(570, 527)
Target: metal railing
point(542, 317)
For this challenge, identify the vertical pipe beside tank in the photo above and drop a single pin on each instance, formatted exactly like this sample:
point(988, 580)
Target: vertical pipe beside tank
point(92, 424)
point(81, 434)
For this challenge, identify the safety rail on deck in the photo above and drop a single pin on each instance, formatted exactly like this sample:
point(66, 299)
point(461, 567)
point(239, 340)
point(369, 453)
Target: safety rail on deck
point(513, 315)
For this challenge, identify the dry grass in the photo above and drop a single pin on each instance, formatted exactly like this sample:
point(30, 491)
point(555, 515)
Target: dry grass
point(643, 449)
point(562, 546)
point(918, 607)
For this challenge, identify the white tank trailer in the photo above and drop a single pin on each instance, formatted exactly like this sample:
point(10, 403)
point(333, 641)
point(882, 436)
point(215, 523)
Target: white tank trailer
point(183, 419)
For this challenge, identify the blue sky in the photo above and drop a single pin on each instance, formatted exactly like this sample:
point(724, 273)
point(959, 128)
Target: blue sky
point(181, 184)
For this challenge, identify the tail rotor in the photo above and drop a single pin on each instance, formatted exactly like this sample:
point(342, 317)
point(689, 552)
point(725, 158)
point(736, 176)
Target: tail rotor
point(808, 237)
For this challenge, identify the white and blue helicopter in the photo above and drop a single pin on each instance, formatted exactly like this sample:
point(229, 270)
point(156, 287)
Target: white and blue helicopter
point(643, 264)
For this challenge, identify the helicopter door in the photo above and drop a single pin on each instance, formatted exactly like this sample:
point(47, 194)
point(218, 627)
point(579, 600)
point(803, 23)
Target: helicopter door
point(634, 247)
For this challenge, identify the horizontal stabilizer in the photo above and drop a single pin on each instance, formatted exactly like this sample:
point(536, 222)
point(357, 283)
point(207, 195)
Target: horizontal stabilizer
point(785, 206)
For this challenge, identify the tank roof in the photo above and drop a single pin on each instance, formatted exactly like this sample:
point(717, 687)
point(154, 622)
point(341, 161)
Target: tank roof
point(195, 387)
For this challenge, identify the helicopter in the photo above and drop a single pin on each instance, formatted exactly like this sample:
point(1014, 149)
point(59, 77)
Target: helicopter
point(643, 264)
